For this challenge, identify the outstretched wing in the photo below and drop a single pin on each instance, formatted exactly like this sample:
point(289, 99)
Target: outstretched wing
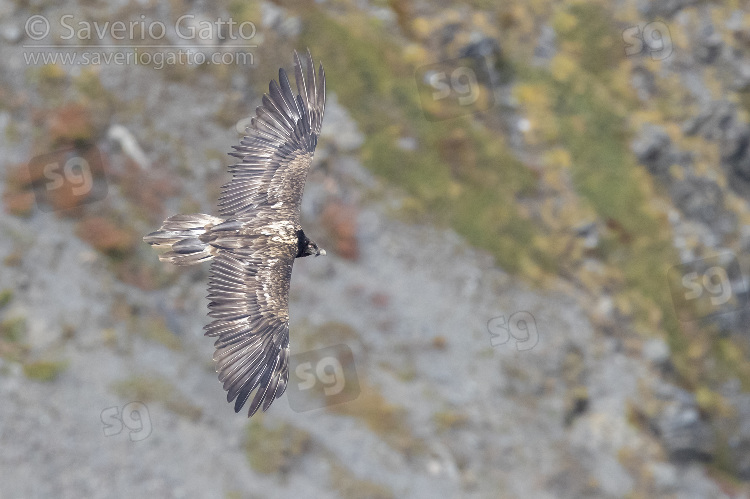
point(249, 290)
point(276, 154)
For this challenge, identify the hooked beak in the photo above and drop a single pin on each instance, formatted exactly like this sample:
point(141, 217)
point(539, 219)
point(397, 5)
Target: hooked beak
point(321, 252)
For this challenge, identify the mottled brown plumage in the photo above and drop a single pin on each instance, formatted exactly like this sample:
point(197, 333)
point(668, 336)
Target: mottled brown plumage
point(253, 244)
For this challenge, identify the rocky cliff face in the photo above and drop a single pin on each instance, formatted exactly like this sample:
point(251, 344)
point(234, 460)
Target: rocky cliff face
point(536, 222)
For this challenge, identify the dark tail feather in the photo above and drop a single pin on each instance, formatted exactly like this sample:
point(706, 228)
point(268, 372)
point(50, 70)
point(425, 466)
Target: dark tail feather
point(180, 235)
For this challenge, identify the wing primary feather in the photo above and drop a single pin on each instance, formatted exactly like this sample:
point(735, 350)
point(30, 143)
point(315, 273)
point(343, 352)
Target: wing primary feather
point(276, 109)
point(312, 89)
point(321, 97)
point(286, 92)
point(277, 97)
point(301, 83)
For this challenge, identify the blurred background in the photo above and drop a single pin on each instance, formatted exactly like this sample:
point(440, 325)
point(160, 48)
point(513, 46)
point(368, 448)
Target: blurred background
point(536, 216)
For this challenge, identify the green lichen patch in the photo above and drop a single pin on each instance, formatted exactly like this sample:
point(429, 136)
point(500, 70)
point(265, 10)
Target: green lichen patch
point(12, 334)
point(271, 447)
point(6, 296)
point(449, 419)
point(44, 370)
point(382, 417)
point(154, 388)
point(155, 328)
point(349, 485)
point(327, 334)
point(475, 192)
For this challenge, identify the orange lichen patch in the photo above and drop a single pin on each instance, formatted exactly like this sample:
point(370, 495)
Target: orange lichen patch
point(17, 177)
point(19, 203)
point(404, 16)
point(147, 190)
point(439, 342)
point(68, 124)
point(129, 272)
point(381, 417)
point(341, 222)
point(18, 198)
point(105, 235)
point(147, 274)
point(459, 152)
point(380, 300)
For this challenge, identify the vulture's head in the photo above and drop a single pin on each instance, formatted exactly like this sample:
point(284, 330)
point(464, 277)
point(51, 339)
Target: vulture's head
point(312, 249)
point(307, 247)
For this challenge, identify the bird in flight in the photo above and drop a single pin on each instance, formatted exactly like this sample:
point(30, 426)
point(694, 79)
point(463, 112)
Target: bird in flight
point(254, 241)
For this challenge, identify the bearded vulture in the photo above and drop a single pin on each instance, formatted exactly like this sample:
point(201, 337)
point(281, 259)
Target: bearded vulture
point(253, 242)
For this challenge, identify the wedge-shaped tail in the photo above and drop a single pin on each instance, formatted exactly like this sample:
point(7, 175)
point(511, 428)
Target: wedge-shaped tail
point(183, 236)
